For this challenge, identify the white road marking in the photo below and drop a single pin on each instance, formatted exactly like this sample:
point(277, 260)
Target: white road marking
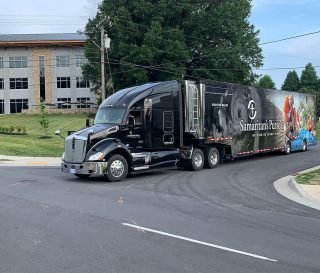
point(199, 242)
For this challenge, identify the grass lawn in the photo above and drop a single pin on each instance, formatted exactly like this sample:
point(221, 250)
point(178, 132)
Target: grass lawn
point(31, 144)
point(318, 130)
point(311, 178)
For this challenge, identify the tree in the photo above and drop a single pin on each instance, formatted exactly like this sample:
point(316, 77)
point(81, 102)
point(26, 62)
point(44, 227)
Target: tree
point(309, 79)
point(266, 82)
point(155, 40)
point(44, 121)
point(310, 83)
point(292, 82)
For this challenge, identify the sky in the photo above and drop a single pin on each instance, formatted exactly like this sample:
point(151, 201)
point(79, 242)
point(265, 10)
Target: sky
point(276, 19)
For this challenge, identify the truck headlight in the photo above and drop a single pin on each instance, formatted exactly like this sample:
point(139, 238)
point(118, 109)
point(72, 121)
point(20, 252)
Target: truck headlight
point(96, 157)
point(62, 157)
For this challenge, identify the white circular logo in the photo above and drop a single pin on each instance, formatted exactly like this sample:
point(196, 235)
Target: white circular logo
point(252, 109)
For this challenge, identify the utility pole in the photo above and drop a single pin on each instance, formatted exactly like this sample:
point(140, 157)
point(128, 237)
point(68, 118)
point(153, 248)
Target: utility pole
point(103, 76)
point(105, 45)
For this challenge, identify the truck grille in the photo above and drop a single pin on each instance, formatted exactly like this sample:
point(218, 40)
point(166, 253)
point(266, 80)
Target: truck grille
point(75, 149)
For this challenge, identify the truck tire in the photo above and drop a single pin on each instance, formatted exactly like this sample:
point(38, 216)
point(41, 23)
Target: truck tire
point(196, 162)
point(304, 146)
point(82, 176)
point(212, 157)
point(287, 148)
point(117, 168)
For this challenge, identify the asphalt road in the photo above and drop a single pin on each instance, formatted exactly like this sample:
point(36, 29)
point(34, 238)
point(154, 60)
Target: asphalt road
point(229, 219)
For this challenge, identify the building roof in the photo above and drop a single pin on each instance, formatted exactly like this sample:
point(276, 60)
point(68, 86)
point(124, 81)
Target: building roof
point(43, 39)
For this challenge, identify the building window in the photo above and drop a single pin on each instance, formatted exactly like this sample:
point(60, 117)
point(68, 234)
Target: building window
point(16, 105)
point(64, 103)
point(63, 82)
point(1, 62)
point(63, 61)
point(80, 61)
point(83, 102)
point(1, 106)
point(1, 84)
point(18, 62)
point(42, 78)
point(18, 83)
point(81, 83)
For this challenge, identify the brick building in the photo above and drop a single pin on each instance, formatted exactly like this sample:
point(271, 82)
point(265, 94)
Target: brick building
point(47, 66)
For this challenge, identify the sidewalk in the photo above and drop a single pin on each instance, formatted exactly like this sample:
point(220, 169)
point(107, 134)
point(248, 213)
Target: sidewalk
point(312, 190)
point(29, 161)
point(308, 195)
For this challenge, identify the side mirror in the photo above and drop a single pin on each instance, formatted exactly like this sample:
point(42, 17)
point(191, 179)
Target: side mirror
point(58, 133)
point(88, 122)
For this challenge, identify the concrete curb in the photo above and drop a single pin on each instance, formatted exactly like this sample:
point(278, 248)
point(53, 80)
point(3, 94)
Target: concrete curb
point(289, 188)
point(18, 161)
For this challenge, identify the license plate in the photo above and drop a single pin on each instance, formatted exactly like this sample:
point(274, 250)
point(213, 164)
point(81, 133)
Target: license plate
point(73, 171)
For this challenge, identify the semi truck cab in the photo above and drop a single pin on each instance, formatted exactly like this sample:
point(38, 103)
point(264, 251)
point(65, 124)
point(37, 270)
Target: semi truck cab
point(135, 129)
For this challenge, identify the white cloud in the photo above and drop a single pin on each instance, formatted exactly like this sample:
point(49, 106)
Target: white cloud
point(37, 16)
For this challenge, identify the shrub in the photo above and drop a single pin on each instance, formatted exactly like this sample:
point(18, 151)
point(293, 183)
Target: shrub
point(12, 129)
point(19, 129)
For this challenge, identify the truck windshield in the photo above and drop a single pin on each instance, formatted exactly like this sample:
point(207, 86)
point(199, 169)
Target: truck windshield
point(109, 116)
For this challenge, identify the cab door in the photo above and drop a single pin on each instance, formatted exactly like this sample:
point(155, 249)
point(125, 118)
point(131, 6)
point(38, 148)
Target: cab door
point(159, 130)
point(133, 130)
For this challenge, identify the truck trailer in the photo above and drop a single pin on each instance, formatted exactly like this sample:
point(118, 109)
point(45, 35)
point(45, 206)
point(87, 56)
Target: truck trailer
point(189, 124)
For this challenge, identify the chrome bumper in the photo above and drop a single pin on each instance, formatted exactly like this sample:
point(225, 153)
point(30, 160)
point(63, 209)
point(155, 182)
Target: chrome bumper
point(84, 168)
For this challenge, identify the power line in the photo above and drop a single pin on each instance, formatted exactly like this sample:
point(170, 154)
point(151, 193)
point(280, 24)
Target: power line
point(290, 38)
point(118, 62)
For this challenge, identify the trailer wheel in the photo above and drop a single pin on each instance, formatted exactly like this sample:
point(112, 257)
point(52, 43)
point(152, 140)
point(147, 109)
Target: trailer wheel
point(288, 148)
point(82, 176)
point(117, 168)
point(304, 146)
point(196, 162)
point(212, 157)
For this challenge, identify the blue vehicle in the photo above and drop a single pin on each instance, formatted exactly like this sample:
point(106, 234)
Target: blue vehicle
point(303, 140)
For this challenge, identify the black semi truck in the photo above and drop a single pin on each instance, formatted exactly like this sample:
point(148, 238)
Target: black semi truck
point(190, 124)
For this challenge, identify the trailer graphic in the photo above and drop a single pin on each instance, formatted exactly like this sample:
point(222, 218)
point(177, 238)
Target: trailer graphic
point(189, 124)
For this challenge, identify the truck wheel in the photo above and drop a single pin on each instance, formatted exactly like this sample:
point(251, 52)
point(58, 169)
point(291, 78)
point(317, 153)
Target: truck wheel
point(304, 146)
point(197, 160)
point(288, 148)
point(117, 168)
point(212, 157)
point(82, 176)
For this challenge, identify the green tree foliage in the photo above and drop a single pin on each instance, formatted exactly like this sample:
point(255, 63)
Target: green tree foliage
point(309, 79)
point(310, 83)
point(266, 82)
point(292, 82)
point(155, 40)
point(44, 121)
